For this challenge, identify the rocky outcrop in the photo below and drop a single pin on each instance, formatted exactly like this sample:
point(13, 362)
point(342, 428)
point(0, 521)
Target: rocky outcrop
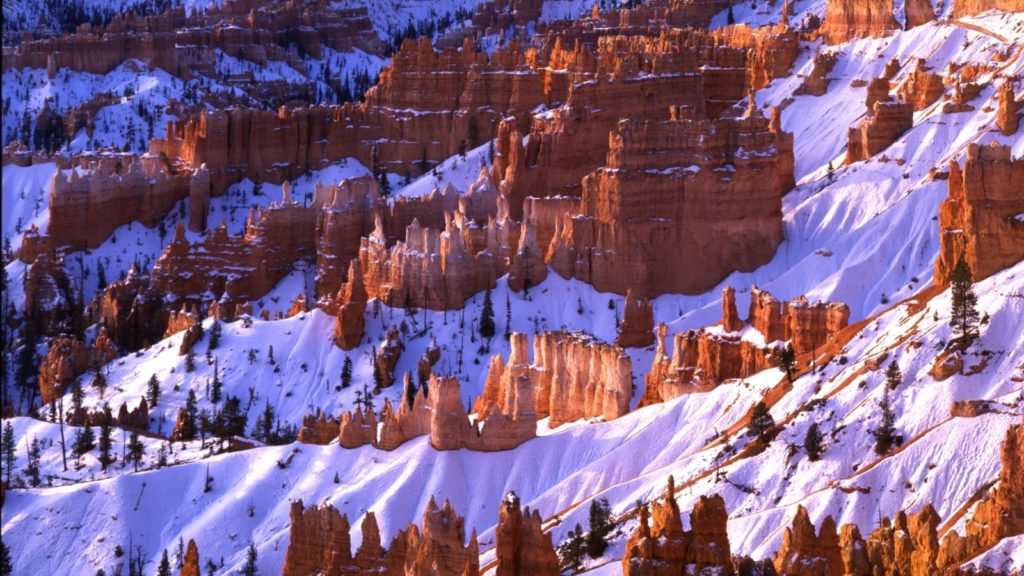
point(963, 8)
point(387, 357)
point(888, 121)
point(48, 295)
point(805, 553)
point(918, 12)
point(319, 543)
point(522, 546)
point(816, 83)
point(661, 546)
point(528, 268)
point(357, 429)
point(701, 359)
point(980, 219)
point(504, 427)
point(190, 564)
point(90, 202)
point(69, 358)
point(352, 298)
point(347, 212)
point(1008, 114)
point(318, 428)
point(132, 311)
point(637, 230)
point(411, 419)
point(849, 19)
point(922, 88)
point(637, 327)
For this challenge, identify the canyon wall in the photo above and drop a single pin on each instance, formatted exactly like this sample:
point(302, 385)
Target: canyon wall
point(849, 19)
point(980, 221)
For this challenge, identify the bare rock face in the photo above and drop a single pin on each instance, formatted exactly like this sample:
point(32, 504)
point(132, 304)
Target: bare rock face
point(660, 546)
point(352, 298)
point(805, 553)
point(878, 91)
point(922, 88)
point(190, 565)
point(69, 358)
point(636, 230)
point(357, 429)
point(48, 294)
point(132, 311)
point(701, 359)
point(504, 427)
point(318, 428)
point(979, 220)
point(113, 190)
point(1008, 115)
point(346, 214)
point(528, 268)
point(182, 320)
point(849, 19)
point(412, 419)
point(318, 541)
point(875, 133)
point(522, 546)
point(816, 83)
point(963, 8)
point(637, 327)
point(387, 357)
point(918, 12)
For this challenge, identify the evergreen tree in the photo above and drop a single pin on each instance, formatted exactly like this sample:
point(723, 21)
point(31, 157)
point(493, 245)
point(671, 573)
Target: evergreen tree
point(572, 550)
point(812, 443)
point(761, 421)
point(77, 396)
point(215, 386)
point(787, 361)
point(8, 446)
point(105, 442)
point(101, 276)
point(600, 527)
point(487, 317)
point(263, 429)
point(5, 560)
point(964, 317)
point(730, 19)
point(270, 355)
point(84, 441)
point(250, 561)
point(153, 391)
point(188, 428)
point(893, 376)
point(136, 450)
point(99, 381)
point(378, 375)
point(215, 332)
point(165, 566)
point(190, 361)
point(831, 172)
point(346, 373)
point(885, 435)
point(32, 468)
point(508, 317)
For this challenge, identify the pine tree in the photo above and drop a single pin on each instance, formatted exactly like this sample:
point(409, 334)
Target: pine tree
point(787, 361)
point(215, 386)
point(761, 421)
point(105, 442)
point(346, 373)
point(378, 375)
point(250, 561)
point(5, 560)
point(136, 450)
point(831, 172)
point(8, 446)
point(812, 443)
point(270, 355)
point(84, 441)
point(572, 550)
point(730, 19)
point(153, 391)
point(964, 316)
point(215, 332)
point(77, 396)
point(190, 361)
point(600, 527)
point(165, 566)
point(885, 434)
point(893, 376)
point(32, 467)
point(508, 317)
point(487, 317)
point(188, 428)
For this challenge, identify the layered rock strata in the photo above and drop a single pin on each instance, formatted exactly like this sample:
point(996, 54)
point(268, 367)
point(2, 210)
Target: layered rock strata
point(69, 358)
point(522, 546)
point(980, 221)
point(636, 330)
point(887, 122)
point(849, 19)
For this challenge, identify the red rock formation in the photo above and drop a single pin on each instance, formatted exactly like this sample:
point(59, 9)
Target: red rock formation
point(387, 357)
point(816, 83)
point(132, 311)
point(980, 221)
point(48, 294)
point(704, 358)
point(113, 190)
point(69, 358)
point(319, 543)
point(875, 133)
point(190, 564)
point(347, 212)
point(963, 8)
point(180, 320)
point(1008, 116)
point(350, 323)
point(849, 19)
point(412, 419)
point(504, 427)
point(918, 12)
point(318, 428)
point(636, 230)
point(661, 546)
point(299, 306)
point(805, 554)
point(637, 327)
point(522, 546)
point(878, 91)
point(922, 88)
point(528, 268)
point(356, 429)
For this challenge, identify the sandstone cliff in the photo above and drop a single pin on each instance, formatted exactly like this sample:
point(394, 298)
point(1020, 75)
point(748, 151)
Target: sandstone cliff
point(522, 546)
point(848, 19)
